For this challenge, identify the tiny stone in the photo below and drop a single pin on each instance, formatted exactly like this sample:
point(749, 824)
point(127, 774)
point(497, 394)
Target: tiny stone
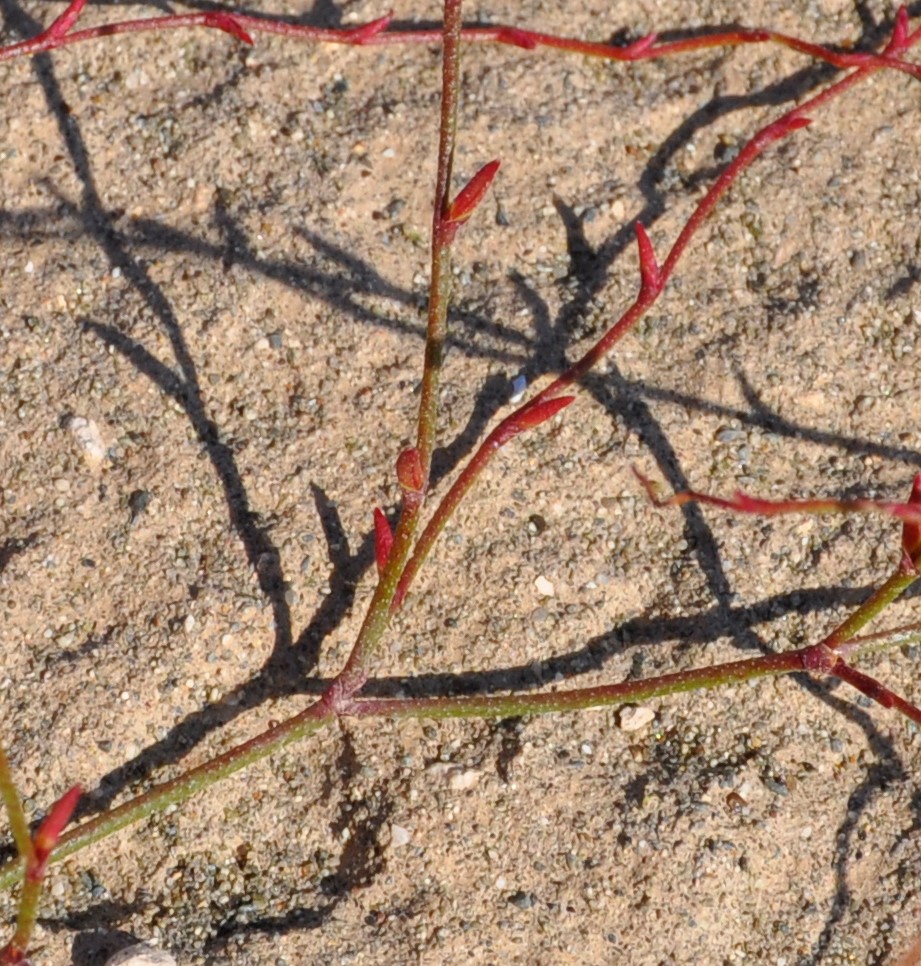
point(633, 717)
point(460, 780)
point(189, 624)
point(544, 587)
point(399, 836)
point(141, 955)
point(523, 900)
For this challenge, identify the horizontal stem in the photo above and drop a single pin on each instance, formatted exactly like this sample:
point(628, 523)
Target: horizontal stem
point(580, 699)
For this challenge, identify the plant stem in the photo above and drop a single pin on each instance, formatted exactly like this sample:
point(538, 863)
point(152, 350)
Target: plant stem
point(19, 826)
point(878, 601)
point(323, 712)
point(380, 609)
point(183, 787)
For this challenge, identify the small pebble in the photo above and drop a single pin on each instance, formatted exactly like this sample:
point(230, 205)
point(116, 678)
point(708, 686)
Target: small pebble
point(462, 779)
point(523, 900)
point(544, 587)
point(141, 955)
point(399, 836)
point(89, 439)
point(456, 778)
point(634, 717)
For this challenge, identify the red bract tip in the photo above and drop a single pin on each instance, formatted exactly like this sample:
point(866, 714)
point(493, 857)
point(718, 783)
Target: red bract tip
point(409, 471)
point(50, 830)
point(639, 47)
point(383, 539)
point(535, 415)
point(650, 278)
point(911, 531)
point(364, 33)
point(899, 31)
point(530, 417)
point(464, 205)
point(796, 124)
point(229, 24)
point(653, 490)
point(516, 37)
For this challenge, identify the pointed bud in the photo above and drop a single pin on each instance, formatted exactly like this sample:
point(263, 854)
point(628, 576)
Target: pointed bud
point(229, 24)
point(50, 830)
point(911, 531)
point(899, 32)
point(409, 471)
point(383, 539)
point(517, 38)
point(469, 197)
point(367, 32)
point(531, 417)
point(650, 277)
point(639, 48)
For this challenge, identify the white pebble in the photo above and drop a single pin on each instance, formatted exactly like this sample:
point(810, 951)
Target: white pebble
point(89, 439)
point(462, 779)
point(141, 955)
point(456, 778)
point(544, 587)
point(399, 836)
point(634, 717)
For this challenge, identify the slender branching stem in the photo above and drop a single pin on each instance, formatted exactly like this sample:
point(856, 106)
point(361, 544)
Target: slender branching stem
point(405, 555)
point(415, 484)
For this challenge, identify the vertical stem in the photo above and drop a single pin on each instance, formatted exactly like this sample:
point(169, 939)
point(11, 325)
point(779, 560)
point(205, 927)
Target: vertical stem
point(15, 950)
point(377, 618)
point(440, 290)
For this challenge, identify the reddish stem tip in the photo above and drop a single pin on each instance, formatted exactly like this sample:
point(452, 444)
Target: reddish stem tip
point(650, 276)
point(366, 32)
point(517, 38)
point(383, 539)
point(470, 196)
point(229, 24)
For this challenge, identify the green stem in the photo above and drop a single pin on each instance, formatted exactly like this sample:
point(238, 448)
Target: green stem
point(179, 789)
point(322, 713)
point(580, 699)
point(32, 888)
point(878, 601)
point(19, 825)
point(377, 619)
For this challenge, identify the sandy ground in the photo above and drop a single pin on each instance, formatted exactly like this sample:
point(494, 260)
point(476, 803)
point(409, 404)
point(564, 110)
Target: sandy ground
point(214, 267)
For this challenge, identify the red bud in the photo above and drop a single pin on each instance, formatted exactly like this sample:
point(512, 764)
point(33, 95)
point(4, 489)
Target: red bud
point(229, 24)
point(911, 532)
point(383, 539)
point(50, 830)
point(516, 37)
point(409, 471)
point(650, 277)
point(464, 205)
point(532, 416)
point(366, 32)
